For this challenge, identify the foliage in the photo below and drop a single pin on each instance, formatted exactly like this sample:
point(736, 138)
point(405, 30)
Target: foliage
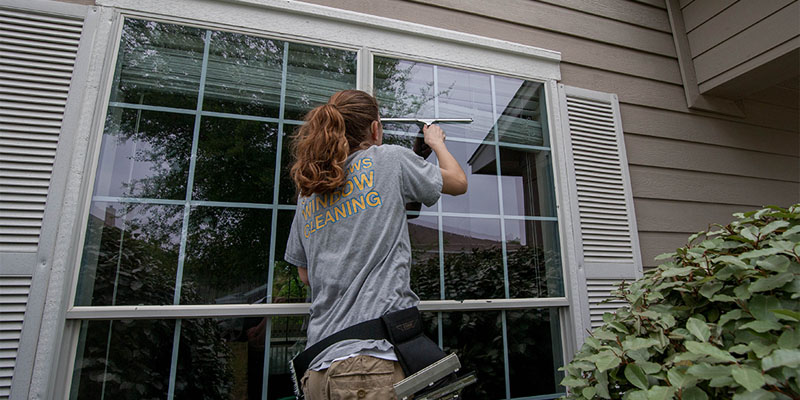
point(720, 319)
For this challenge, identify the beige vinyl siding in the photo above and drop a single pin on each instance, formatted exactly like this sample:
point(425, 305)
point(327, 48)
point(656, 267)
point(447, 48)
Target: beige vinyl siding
point(726, 36)
point(688, 168)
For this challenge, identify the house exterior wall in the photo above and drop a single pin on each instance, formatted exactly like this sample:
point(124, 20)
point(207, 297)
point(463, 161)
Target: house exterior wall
point(688, 168)
point(729, 38)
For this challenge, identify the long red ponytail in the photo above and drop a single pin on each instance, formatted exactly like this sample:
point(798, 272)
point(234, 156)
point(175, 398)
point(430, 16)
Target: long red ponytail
point(331, 132)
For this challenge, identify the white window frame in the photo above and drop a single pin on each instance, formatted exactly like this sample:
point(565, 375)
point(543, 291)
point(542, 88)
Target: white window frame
point(296, 22)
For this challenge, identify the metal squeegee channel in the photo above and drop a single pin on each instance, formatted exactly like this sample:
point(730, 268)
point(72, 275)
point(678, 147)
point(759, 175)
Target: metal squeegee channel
point(598, 175)
point(37, 56)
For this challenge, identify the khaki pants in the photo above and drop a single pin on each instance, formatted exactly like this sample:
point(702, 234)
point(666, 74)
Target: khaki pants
point(359, 377)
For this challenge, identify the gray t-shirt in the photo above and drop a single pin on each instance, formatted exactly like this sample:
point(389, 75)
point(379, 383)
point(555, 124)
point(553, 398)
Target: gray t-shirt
point(354, 242)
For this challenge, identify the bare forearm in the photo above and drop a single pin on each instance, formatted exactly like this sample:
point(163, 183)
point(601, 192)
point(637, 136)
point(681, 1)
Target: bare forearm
point(454, 180)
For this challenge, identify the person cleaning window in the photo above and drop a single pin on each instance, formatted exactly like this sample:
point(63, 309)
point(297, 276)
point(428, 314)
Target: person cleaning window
point(349, 240)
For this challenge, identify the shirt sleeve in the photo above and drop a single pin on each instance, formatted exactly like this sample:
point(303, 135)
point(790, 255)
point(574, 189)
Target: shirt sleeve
point(295, 250)
point(421, 180)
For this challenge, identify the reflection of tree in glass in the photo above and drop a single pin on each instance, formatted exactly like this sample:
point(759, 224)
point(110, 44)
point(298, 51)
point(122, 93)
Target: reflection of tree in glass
point(139, 359)
point(163, 142)
point(227, 255)
point(476, 337)
point(395, 97)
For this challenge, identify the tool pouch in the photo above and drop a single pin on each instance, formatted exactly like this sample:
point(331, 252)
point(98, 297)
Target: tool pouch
point(414, 350)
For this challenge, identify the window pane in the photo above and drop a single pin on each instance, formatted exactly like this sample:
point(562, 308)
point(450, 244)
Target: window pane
point(286, 284)
point(125, 359)
point(477, 339)
point(314, 74)
point(404, 89)
point(287, 339)
point(466, 94)
point(473, 258)
point(235, 161)
point(478, 162)
point(534, 259)
point(220, 359)
point(144, 154)
point(534, 353)
point(158, 64)
point(244, 75)
point(527, 179)
point(227, 256)
point(287, 192)
point(130, 255)
point(520, 112)
point(425, 271)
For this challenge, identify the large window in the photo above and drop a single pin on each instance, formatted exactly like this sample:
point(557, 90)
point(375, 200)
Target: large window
point(192, 202)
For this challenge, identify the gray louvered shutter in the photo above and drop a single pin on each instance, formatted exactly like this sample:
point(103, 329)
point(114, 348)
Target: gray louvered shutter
point(607, 242)
point(37, 54)
point(13, 297)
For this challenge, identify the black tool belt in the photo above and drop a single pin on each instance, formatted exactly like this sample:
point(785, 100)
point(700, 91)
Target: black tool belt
point(403, 329)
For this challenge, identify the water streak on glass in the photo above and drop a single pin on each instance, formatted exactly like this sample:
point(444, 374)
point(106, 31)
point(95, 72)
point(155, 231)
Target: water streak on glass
point(130, 255)
point(144, 154)
point(314, 74)
point(227, 256)
point(158, 64)
point(235, 161)
point(244, 75)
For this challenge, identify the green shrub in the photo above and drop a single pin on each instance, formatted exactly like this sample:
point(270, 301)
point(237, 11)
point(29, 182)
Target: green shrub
point(719, 320)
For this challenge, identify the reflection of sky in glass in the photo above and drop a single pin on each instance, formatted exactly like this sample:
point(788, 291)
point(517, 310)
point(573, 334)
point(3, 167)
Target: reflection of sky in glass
point(404, 88)
point(466, 94)
point(481, 197)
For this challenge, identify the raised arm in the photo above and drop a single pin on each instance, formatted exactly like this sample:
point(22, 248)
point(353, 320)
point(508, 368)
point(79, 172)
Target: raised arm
point(454, 181)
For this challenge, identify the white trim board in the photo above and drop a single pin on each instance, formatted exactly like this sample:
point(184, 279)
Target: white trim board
point(330, 26)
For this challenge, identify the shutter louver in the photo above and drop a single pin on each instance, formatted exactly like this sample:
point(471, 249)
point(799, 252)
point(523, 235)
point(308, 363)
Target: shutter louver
point(608, 240)
point(37, 55)
point(13, 297)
